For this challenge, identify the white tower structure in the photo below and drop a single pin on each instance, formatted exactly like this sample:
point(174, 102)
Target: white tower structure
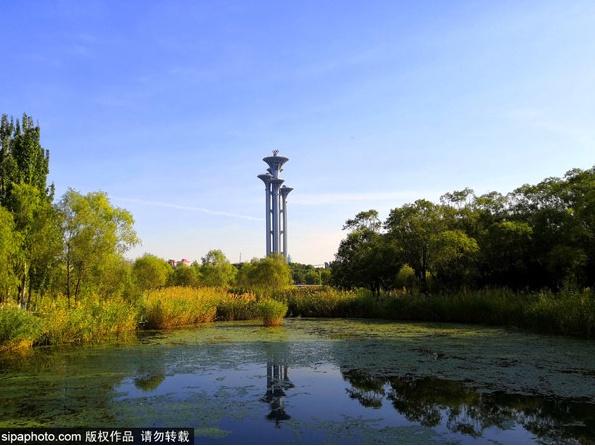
point(275, 205)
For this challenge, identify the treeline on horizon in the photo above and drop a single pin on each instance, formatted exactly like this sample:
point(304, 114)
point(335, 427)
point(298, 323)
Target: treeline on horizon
point(537, 237)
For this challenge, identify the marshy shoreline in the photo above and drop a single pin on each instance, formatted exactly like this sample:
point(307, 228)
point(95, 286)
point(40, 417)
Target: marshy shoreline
point(93, 320)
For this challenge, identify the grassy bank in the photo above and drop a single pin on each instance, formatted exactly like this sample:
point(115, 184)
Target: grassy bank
point(566, 313)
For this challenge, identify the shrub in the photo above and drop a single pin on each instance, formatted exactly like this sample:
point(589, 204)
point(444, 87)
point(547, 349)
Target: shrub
point(271, 311)
point(18, 328)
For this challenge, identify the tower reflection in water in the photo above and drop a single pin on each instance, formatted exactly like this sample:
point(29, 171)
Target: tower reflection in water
point(277, 383)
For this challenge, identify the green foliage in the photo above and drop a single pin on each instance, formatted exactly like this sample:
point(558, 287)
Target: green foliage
point(271, 311)
point(184, 276)
point(22, 159)
point(406, 278)
point(365, 220)
point(151, 272)
point(8, 251)
point(308, 274)
point(366, 258)
point(539, 236)
point(96, 235)
point(18, 328)
point(216, 270)
point(264, 276)
point(38, 240)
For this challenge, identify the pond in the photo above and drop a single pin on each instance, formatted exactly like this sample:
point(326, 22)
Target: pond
point(316, 381)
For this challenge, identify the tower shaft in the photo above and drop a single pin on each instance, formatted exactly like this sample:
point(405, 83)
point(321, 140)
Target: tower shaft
point(276, 206)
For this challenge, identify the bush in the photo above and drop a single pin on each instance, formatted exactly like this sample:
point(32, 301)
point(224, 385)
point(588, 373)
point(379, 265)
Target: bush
point(271, 311)
point(179, 306)
point(18, 328)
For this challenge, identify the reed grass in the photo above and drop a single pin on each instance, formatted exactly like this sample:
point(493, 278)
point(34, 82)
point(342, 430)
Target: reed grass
point(271, 311)
point(94, 320)
point(91, 320)
point(180, 306)
point(565, 313)
point(318, 301)
point(18, 328)
point(237, 307)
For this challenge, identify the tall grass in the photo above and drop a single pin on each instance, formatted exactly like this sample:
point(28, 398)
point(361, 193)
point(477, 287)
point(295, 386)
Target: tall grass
point(91, 320)
point(271, 311)
point(180, 306)
point(18, 328)
point(95, 320)
point(545, 312)
point(319, 302)
point(237, 307)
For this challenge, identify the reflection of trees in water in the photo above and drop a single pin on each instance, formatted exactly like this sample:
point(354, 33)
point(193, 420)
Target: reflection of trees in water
point(277, 383)
point(149, 381)
point(367, 389)
point(150, 374)
point(467, 411)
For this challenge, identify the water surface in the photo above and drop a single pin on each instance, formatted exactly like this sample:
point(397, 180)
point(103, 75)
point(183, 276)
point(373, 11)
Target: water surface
point(317, 381)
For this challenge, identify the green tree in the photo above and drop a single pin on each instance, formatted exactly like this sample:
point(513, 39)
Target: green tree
point(265, 275)
point(505, 257)
point(8, 249)
point(425, 235)
point(183, 275)
point(216, 270)
point(22, 158)
point(364, 220)
point(366, 257)
point(37, 224)
point(96, 233)
point(151, 272)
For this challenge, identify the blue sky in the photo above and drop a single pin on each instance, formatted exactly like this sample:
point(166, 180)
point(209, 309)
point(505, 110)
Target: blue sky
point(169, 106)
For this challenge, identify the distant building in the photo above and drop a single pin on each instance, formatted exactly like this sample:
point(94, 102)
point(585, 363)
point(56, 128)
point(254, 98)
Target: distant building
point(176, 263)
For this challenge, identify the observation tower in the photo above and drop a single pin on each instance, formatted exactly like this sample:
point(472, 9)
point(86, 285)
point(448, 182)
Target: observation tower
point(275, 205)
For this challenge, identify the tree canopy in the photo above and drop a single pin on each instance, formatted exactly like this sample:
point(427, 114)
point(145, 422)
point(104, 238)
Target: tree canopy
point(537, 236)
